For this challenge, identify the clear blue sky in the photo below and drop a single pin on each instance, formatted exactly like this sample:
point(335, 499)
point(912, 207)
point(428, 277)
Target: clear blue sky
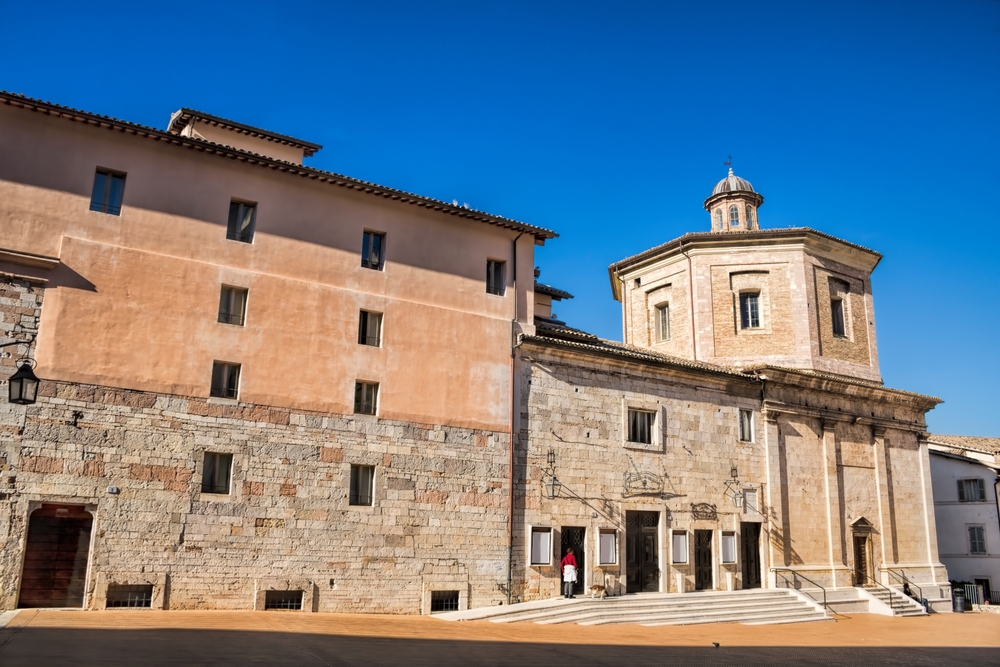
point(610, 122)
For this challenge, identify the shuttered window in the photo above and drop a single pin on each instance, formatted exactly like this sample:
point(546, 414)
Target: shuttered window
point(977, 540)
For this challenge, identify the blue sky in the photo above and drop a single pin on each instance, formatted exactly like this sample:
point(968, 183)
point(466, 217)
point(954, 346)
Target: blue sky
point(610, 123)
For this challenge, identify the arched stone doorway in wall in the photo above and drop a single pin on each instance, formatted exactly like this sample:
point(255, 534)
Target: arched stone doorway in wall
point(55, 557)
point(861, 544)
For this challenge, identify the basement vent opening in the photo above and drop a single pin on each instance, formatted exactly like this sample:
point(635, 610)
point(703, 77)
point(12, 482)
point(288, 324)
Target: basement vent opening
point(444, 601)
point(126, 595)
point(285, 600)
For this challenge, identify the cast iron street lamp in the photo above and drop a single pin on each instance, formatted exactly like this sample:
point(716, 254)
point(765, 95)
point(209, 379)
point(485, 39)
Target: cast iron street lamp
point(22, 386)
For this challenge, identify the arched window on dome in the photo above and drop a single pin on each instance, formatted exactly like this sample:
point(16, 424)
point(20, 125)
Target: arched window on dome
point(734, 216)
point(750, 220)
point(717, 226)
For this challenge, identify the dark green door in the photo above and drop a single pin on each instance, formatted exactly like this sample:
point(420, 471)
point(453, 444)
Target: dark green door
point(642, 552)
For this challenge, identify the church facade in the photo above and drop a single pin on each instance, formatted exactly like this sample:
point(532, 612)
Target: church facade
point(270, 386)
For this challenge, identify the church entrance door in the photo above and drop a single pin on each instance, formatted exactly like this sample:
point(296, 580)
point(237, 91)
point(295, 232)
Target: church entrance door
point(861, 573)
point(750, 554)
point(642, 552)
point(702, 560)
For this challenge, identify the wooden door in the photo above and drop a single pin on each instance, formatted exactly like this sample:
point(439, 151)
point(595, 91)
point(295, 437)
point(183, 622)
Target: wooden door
point(861, 560)
point(702, 560)
point(575, 538)
point(750, 554)
point(55, 557)
point(642, 552)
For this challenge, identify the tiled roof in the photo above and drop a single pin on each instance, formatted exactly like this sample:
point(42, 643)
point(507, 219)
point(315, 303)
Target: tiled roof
point(97, 120)
point(554, 292)
point(180, 119)
point(978, 443)
point(749, 234)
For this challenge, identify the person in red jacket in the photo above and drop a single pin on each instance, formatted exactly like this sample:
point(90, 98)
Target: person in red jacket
point(568, 567)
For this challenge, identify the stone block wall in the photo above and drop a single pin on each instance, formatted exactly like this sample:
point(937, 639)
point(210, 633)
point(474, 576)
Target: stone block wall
point(438, 518)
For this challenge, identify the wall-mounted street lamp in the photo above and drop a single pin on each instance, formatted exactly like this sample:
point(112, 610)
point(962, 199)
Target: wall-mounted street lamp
point(22, 386)
point(551, 484)
point(734, 488)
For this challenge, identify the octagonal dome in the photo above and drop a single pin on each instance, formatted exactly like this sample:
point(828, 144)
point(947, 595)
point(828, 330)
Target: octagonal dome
point(732, 183)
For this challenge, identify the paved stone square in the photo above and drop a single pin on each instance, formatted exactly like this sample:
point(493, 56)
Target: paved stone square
point(154, 638)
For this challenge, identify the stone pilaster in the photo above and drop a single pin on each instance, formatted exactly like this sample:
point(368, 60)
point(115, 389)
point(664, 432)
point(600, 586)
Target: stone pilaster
point(834, 529)
point(886, 526)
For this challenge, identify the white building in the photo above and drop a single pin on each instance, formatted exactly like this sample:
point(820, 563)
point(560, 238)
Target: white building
point(964, 478)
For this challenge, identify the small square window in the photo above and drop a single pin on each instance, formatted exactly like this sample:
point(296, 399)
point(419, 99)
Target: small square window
point(109, 188)
point(663, 322)
point(370, 329)
point(750, 310)
point(541, 546)
point(608, 547)
point(746, 425)
point(977, 540)
point(679, 547)
point(373, 251)
point(362, 485)
point(444, 601)
point(495, 280)
point(283, 600)
point(215, 473)
point(129, 596)
point(729, 547)
point(225, 380)
point(971, 490)
point(242, 217)
point(233, 305)
point(365, 397)
point(640, 426)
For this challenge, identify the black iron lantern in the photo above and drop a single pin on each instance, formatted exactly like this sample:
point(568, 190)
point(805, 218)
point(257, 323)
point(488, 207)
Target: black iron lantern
point(23, 385)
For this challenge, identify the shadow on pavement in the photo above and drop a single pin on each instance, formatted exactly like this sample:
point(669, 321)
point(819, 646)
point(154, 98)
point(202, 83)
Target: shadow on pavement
point(34, 647)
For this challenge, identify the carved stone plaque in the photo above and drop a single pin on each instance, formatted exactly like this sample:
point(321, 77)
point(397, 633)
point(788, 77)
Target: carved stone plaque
point(704, 512)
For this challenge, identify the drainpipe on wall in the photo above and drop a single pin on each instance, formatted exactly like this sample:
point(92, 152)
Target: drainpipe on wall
point(510, 433)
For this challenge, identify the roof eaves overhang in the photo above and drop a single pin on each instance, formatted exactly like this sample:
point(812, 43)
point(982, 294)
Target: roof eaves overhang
point(184, 116)
point(15, 100)
point(842, 385)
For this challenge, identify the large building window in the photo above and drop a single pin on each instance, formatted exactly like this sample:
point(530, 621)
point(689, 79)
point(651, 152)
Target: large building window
point(365, 397)
point(225, 380)
point(109, 188)
point(663, 322)
point(971, 490)
point(734, 216)
point(837, 315)
point(242, 216)
point(215, 473)
point(373, 251)
point(232, 305)
point(640, 426)
point(495, 280)
point(370, 329)
point(977, 540)
point(362, 485)
point(750, 310)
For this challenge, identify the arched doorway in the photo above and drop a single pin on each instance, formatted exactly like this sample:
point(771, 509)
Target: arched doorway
point(55, 557)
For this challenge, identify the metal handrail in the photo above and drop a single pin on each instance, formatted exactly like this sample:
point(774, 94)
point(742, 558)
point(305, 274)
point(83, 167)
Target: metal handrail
point(777, 571)
point(872, 579)
point(902, 577)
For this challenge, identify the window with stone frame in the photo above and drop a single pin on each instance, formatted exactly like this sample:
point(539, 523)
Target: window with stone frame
point(640, 426)
point(840, 291)
point(215, 473)
point(608, 546)
point(728, 547)
point(541, 545)
point(971, 490)
point(679, 547)
point(746, 425)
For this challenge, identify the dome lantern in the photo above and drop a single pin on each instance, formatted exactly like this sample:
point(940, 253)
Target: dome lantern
point(733, 205)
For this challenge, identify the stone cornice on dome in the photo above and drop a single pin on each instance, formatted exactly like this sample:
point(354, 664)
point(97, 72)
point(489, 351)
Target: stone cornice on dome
point(809, 239)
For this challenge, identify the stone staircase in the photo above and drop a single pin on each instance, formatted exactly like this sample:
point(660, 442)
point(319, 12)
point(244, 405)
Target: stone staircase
point(752, 607)
point(901, 605)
